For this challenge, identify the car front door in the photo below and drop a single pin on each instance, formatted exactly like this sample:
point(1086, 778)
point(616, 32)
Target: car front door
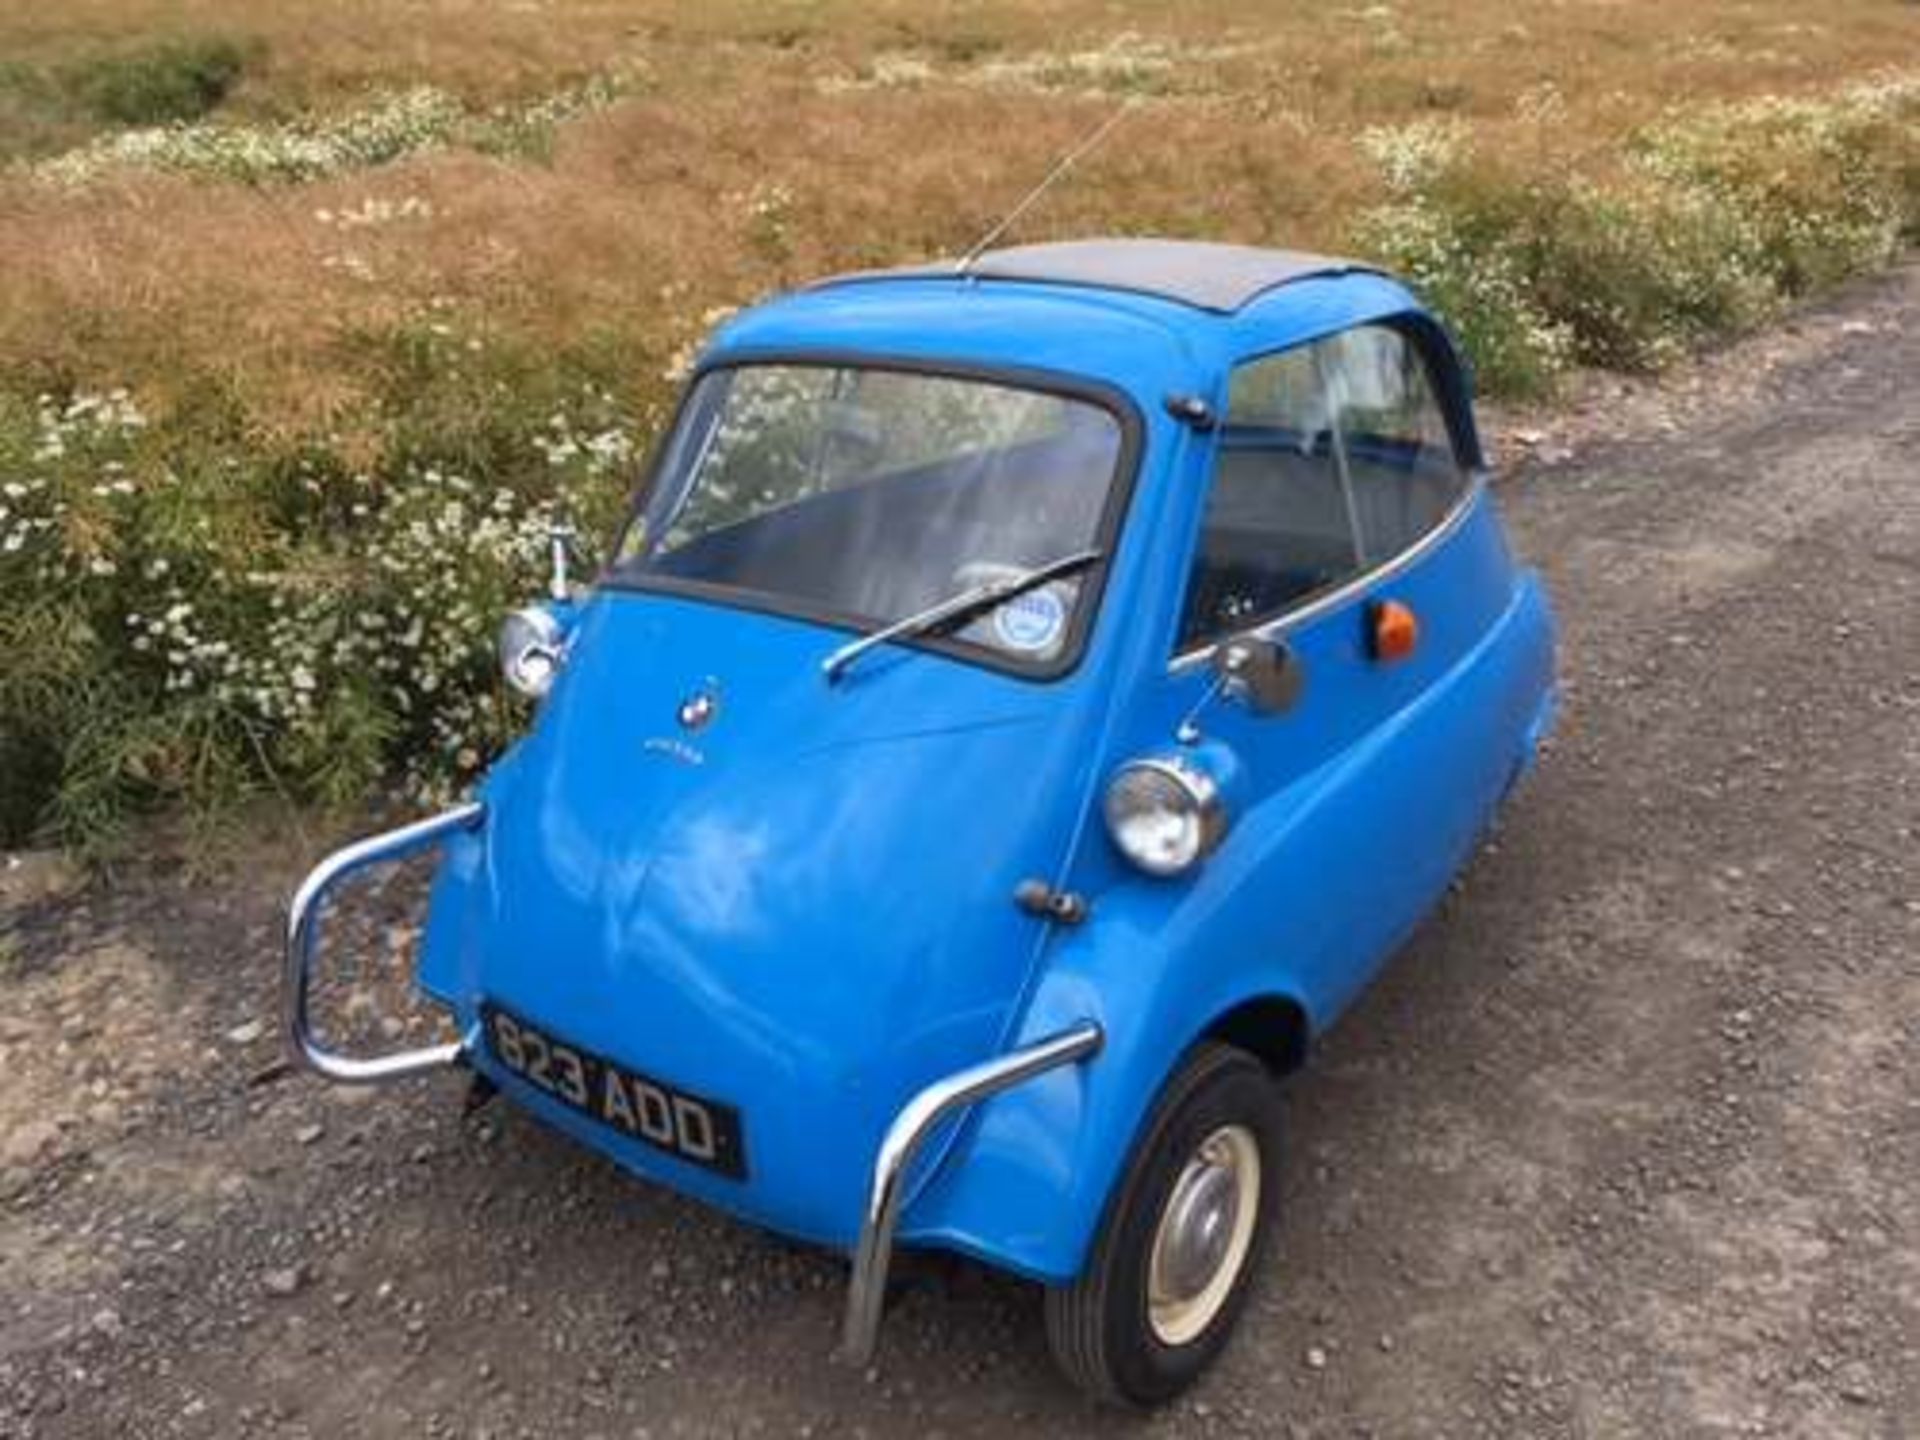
point(1336, 527)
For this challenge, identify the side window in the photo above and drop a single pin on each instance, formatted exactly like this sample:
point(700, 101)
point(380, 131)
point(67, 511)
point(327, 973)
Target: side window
point(1278, 527)
point(1399, 456)
point(1333, 457)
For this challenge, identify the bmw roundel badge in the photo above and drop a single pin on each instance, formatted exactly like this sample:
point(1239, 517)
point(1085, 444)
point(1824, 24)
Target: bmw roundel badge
point(697, 709)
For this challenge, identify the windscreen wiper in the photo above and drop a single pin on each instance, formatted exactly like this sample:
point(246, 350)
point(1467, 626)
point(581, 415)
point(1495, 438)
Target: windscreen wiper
point(956, 607)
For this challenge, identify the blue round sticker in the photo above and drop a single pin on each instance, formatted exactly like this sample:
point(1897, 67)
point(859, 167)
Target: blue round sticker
point(1031, 622)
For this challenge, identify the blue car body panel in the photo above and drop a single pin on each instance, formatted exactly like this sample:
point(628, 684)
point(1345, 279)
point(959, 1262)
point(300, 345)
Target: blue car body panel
point(805, 908)
point(744, 913)
point(1159, 965)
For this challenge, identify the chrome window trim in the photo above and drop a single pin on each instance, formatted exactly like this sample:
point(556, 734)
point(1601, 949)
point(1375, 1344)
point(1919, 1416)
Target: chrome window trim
point(1317, 605)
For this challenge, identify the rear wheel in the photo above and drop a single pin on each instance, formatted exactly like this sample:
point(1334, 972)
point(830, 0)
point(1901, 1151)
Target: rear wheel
point(1182, 1239)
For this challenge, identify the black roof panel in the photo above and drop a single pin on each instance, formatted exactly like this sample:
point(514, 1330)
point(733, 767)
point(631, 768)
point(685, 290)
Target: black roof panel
point(1199, 273)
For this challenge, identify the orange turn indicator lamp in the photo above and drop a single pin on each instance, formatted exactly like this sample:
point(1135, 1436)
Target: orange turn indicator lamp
point(1392, 630)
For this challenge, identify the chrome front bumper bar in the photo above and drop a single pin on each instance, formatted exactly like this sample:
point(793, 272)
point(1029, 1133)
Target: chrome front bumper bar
point(303, 919)
point(918, 1119)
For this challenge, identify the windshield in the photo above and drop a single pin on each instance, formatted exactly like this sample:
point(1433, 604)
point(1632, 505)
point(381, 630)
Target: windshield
point(862, 496)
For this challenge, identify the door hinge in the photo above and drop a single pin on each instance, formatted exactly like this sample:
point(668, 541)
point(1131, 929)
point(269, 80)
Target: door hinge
point(1191, 410)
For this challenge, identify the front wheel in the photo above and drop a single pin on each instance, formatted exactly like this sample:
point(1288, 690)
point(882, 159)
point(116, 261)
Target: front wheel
point(1182, 1239)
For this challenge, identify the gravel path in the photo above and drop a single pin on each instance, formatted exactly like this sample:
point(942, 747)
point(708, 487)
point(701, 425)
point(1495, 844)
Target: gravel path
point(1626, 1143)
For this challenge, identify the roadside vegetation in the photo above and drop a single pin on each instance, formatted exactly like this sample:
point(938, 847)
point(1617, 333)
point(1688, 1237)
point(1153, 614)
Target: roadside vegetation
point(1712, 220)
point(50, 105)
point(309, 322)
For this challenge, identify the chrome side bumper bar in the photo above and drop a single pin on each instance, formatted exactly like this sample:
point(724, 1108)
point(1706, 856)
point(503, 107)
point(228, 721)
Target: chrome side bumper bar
point(916, 1120)
point(303, 918)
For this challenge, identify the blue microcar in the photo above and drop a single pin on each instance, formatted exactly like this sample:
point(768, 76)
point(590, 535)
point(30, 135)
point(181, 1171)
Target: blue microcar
point(1028, 702)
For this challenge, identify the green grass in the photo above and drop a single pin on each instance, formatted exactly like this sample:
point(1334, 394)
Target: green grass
point(52, 106)
point(156, 84)
point(200, 611)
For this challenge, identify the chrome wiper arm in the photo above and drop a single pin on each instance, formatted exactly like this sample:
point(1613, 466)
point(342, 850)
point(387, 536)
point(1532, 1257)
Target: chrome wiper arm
point(980, 597)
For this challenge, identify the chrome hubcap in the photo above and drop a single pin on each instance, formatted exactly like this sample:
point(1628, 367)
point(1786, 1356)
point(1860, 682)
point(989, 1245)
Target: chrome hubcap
point(1199, 1224)
point(1204, 1234)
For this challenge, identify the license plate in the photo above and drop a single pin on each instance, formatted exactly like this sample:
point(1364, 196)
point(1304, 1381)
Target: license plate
point(690, 1127)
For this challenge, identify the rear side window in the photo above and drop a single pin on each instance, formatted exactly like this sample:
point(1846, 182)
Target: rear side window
point(1333, 457)
point(1399, 456)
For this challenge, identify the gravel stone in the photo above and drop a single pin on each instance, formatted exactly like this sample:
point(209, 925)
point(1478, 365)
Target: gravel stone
point(284, 1281)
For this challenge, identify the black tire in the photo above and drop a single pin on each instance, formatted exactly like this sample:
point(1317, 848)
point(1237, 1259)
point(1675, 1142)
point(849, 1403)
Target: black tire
point(1100, 1327)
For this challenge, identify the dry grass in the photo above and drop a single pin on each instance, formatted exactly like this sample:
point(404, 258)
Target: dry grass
point(771, 142)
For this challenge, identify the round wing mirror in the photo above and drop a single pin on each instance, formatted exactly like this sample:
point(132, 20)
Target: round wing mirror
point(1262, 674)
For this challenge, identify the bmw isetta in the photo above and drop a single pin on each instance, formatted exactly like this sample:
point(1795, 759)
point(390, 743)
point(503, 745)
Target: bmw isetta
point(1027, 704)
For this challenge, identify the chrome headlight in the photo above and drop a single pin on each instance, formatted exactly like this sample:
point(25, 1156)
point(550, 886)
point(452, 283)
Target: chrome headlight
point(1164, 814)
point(532, 646)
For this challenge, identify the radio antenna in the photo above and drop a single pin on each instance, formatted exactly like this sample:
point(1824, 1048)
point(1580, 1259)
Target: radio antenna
point(1065, 163)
